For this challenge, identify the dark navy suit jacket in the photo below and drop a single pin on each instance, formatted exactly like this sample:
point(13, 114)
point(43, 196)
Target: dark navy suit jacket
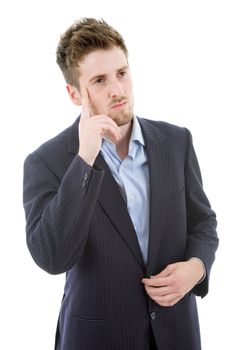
point(78, 223)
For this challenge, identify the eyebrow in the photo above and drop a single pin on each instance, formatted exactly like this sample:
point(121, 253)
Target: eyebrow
point(99, 76)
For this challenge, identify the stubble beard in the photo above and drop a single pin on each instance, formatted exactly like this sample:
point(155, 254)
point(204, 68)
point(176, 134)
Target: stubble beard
point(123, 117)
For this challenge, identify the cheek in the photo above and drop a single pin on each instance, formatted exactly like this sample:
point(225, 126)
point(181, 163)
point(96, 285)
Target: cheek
point(98, 101)
point(129, 88)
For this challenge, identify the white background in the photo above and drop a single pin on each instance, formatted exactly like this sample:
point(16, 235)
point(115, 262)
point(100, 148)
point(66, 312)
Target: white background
point(181, 60)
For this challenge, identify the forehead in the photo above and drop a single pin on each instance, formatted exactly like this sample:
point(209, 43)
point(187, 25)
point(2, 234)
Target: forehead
point(102, 62)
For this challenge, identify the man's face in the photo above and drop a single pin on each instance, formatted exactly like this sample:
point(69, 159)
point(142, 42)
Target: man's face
point(105, 74)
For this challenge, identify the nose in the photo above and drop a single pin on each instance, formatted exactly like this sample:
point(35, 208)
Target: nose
point(115, 88)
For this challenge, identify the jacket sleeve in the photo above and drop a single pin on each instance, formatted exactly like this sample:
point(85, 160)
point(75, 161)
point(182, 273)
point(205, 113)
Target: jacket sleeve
point(58, 213)
point(202, 240)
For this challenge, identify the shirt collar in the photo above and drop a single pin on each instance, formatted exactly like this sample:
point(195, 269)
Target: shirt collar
point(136, 138)
point(136, 134)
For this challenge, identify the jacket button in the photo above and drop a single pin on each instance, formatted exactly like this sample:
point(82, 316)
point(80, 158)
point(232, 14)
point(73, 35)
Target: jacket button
point(84, 184)
point(85, 176)
point(153, 316)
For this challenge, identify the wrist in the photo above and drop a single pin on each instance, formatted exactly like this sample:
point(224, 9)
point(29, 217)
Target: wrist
point(86, 159)
point(199, 268)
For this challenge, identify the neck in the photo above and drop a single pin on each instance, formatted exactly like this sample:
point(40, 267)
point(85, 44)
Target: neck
point(122, 146)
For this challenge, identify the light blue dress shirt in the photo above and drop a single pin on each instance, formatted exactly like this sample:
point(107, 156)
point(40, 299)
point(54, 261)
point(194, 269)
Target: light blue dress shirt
point(132, 176)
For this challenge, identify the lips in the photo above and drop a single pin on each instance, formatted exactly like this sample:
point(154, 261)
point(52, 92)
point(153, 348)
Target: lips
point(119, 104)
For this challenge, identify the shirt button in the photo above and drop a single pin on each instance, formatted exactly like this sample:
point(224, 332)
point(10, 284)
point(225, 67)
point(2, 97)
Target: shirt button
point(153, 316)
point(85, 176)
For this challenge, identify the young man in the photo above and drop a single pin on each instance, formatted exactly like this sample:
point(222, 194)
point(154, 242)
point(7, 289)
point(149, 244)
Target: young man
point(117, 203)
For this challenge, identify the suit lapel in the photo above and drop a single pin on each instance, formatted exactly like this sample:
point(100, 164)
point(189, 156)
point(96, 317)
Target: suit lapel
point(159, 160)
point(115, 207)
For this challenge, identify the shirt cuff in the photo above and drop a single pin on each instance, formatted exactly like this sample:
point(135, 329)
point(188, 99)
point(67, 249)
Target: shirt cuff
point(204, 269)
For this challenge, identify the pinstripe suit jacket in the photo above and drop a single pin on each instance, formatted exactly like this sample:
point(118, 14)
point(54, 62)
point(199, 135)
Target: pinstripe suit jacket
point(78, 223)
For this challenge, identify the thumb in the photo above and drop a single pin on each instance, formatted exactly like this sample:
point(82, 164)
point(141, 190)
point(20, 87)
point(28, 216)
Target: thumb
point(164, 273)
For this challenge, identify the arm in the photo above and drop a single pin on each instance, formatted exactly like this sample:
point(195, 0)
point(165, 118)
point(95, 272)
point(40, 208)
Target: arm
point(58, 214)
point(176, 280)
point(202, 240)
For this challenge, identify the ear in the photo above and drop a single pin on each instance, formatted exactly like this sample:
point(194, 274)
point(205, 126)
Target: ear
point(74, 94)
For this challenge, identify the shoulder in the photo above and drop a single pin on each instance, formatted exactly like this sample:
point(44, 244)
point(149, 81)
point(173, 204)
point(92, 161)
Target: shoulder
point(61, 141)
point(54, 153)
point(165, 131)
point(56, 143)
point(165, 128)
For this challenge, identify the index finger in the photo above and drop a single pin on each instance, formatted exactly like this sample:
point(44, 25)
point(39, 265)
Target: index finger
point(156, 282)
point(86, 107)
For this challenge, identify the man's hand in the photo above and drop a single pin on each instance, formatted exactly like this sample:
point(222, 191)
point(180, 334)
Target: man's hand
point(176, 280)
point(92, 128)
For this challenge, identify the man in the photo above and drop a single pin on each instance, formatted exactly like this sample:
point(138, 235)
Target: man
point(117, 203)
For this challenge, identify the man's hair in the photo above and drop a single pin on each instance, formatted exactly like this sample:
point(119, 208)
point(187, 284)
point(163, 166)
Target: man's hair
point(83, 37)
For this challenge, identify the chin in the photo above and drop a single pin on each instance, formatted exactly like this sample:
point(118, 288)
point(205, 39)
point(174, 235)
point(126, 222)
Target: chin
point(123, 119)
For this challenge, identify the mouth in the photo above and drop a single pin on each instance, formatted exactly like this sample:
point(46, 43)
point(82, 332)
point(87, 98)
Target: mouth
point(119, 105)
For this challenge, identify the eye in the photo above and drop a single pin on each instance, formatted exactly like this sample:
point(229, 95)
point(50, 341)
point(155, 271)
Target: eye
point(122, 73)
point(100, 81)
